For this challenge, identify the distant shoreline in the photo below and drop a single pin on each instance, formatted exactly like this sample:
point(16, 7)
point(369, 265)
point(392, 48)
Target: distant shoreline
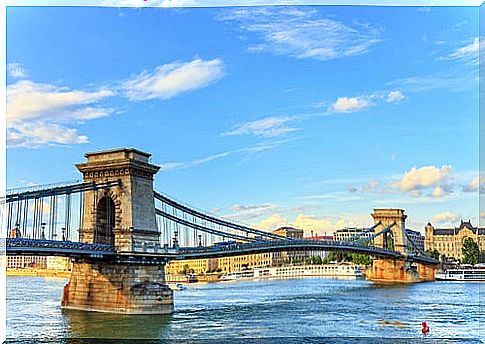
point(39, 273)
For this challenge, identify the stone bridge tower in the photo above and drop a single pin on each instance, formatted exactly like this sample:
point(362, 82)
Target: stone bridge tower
point(124, 215)
point(387, 217)
point(402, 269)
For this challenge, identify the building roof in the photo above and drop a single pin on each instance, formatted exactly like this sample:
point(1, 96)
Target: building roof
point(453, 231)
point(412, 231)
point(289, 229)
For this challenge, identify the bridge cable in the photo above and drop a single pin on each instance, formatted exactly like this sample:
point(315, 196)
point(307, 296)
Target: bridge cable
point(41, 216)
point(17, 218)
point(80, 220)
point(67, 218)
point(365, 231)
point(34, 219)
point(226, 223)
point(194, 226)
point(384, 231)
point(25, 217)
point(419, 251)
point(60, 190)
point(95, 207)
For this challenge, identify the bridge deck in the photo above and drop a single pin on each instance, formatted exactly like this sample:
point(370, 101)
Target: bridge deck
point(19, 246)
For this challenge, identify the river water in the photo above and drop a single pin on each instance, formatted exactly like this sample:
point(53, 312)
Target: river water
point(302, 310)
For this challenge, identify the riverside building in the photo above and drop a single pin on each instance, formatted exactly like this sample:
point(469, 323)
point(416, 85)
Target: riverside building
point(449, 241)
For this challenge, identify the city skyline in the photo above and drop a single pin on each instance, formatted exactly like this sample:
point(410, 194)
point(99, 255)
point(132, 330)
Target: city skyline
point(306, 116)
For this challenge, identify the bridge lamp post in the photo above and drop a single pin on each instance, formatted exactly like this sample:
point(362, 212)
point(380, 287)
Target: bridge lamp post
point(17, 230)
point(42, 234)
point(175, 239)
point(63, 229)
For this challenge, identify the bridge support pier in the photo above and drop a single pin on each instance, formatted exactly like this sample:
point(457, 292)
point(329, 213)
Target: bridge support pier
point(400, 271)
point(117, 288)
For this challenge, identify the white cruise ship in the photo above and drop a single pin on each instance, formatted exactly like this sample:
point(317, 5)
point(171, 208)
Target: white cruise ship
point(328, 270)
point(465, 275)
point(237, 275)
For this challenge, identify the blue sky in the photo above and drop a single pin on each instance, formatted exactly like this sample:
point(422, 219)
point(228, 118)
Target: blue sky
point(306, 116)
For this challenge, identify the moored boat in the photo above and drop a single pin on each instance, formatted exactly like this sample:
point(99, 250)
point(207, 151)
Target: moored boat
point(462, 274)
point(176, 286)
point(328, 270)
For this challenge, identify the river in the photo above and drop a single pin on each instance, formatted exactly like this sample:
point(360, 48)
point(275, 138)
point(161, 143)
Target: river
point(316, 309)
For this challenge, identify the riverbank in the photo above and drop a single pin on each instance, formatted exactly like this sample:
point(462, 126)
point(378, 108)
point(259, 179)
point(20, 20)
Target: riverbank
point(38, 273)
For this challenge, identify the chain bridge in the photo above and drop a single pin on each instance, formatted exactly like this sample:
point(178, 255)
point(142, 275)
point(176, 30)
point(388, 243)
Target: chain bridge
point(120, 233)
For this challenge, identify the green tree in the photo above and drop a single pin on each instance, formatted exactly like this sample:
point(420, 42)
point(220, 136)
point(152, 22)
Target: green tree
point(339, 256)
point(434, 254)
point(470, 251)
point(361, 259)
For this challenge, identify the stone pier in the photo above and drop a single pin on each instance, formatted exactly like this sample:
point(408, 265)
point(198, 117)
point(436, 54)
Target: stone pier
point(402, 270)
point(123, 216)
point(117, 288)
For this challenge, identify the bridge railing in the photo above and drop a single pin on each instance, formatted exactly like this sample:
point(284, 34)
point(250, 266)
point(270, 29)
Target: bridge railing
point(55, 244)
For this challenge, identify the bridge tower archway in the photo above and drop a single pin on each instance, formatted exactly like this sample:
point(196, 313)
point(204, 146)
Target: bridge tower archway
point(105, 221)
point(396, 237)
point(123, 215)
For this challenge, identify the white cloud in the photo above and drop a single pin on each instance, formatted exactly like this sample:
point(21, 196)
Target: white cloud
point(467, 53)
point(346, 104)
point(248, 212)
point(446, 217)
point(15, 70)
point(266, 127)
point(36, 113)
point(169, 80)
point(438, 192)
point(27, 101)
point(453, 83)
point(351, 104)
point(40, 133)
point(472, 186)
point(260, 147)
point(271, 223)
point(309, 223)
point(424, 177)
point(395, 96)
point(316, 224)
point(303, 33)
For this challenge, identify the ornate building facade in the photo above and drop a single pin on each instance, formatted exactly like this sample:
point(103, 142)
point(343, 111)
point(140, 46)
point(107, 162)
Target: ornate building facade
point(449, 241)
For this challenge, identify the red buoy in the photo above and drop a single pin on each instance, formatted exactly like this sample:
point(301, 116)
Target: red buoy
point(425, 328)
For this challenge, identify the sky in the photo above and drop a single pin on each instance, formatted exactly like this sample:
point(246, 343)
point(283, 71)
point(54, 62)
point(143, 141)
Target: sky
point(309, 116)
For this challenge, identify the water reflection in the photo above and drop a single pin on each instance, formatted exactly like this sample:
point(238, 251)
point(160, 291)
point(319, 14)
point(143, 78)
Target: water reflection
point(84, 324)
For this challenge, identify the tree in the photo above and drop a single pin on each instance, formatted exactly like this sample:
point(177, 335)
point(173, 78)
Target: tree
point(339, 256)
point(186, 269)
point(434, 254)
point(470, 251)
point(361, 259)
